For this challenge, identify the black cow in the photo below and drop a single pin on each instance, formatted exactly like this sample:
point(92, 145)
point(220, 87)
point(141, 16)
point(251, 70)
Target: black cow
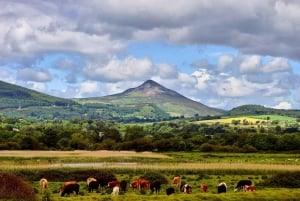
point(93, 185)
point(103, 182)
point(222, 187)
point(241, 184)
point(123, 185)
point(170, 190)
point(155, 186)
point(69, 187)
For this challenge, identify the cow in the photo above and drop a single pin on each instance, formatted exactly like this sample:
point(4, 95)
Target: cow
point(92, 184)
point(155, 186)
point(112, 184)
point(140, 184)
point(203, 187)
point(103, 182)
point(222, 187)
point(241, 184)
point(90, 179)
point(43, 183)
point(69, 187)
point(250, 188)
point(170, 190)
point(115, 190)
point(123, 185)
point(176, 181)
point(186, 188)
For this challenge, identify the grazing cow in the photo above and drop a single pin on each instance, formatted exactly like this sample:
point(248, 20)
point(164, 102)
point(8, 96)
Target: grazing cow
point(241, 184)
point(123, 185)
point(140, 184)
point(103, 182)
point(115, 190)
point(112, 184)
point(69, 187)
point(43, 183)
point(90, 179)
point(250, 188)
point(203, 187)
point(222, 187)
point(186, 188)
point(176, 181)
point(170, 190)
point(93, 185)
point(155, 186)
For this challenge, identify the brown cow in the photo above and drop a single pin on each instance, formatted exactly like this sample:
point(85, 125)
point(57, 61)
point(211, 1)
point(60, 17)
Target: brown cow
point(203, 187)
point(112, 184)
point(250, 188)
point(140, 184)
point(69, 187)
point(43, 183)
point(176, 181)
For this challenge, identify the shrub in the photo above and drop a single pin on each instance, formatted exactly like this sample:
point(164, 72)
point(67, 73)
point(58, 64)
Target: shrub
point(15, 188)
point(284, 180)
point(155, 176)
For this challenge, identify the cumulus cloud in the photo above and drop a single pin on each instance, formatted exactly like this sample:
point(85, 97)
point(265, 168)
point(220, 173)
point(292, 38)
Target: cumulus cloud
point(283, 105)
point(88, 88)
point(94, 36)
point(30, 74)
point(117, 70)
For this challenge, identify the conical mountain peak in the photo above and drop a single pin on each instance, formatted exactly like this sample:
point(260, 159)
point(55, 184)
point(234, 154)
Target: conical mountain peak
point(150, 88)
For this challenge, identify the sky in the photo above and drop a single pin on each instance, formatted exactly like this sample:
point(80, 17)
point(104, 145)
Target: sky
point(222, 53)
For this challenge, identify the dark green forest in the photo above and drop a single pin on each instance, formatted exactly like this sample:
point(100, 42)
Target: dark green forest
point(176, 135)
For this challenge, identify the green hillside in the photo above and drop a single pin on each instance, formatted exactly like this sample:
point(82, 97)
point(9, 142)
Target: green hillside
point(261, 110)
point(17, 101)
point(151, 100)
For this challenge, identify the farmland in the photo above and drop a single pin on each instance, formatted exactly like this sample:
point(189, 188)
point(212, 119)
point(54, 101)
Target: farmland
point(194, 167)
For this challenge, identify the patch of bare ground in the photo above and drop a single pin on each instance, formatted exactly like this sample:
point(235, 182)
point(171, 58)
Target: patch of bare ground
point(80, 153)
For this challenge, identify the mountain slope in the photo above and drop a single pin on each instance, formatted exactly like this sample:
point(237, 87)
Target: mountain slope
point(259, 110)
point(13, 95)
point(17, 101)
point(158, 98)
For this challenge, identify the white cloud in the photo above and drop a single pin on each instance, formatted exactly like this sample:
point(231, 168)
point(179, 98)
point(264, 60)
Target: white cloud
point(88, 88)
point(224, 62)
point(30, 74)
point(37, 86)
point(117, 70)
point(283, 105)
point(277, 64)
point(250, 64)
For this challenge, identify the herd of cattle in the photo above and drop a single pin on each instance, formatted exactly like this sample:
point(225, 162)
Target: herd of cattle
point(70, 187)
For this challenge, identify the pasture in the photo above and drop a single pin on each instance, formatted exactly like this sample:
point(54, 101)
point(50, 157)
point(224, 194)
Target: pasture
point(194, 167)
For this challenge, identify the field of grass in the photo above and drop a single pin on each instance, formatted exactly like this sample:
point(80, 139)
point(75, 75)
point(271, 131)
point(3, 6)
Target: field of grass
point(251, 120)
point(194, 168)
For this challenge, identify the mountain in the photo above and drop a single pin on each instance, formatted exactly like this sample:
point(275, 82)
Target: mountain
point(17, 101)
point(261, 110)
point(151, 100)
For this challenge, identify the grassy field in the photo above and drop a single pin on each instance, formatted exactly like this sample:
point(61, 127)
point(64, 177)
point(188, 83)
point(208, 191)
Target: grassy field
point(194, 167)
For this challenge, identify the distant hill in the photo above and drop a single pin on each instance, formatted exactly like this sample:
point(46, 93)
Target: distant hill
point(17, 101)
point(259, 110)
point(152, 100)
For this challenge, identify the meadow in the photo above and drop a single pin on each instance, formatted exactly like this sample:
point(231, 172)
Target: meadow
point(194, 168)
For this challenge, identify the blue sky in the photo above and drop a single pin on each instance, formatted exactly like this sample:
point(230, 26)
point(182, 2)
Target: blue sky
point(221, 53)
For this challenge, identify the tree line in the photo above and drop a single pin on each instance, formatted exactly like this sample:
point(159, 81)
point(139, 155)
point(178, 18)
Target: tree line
point(177, 135)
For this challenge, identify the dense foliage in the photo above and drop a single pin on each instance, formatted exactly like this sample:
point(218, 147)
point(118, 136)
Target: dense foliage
point(179, 135)
point(14, 188)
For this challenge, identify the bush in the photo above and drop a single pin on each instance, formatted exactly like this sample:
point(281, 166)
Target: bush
point(15, 188)
point(155, 176)
point(284, 180)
